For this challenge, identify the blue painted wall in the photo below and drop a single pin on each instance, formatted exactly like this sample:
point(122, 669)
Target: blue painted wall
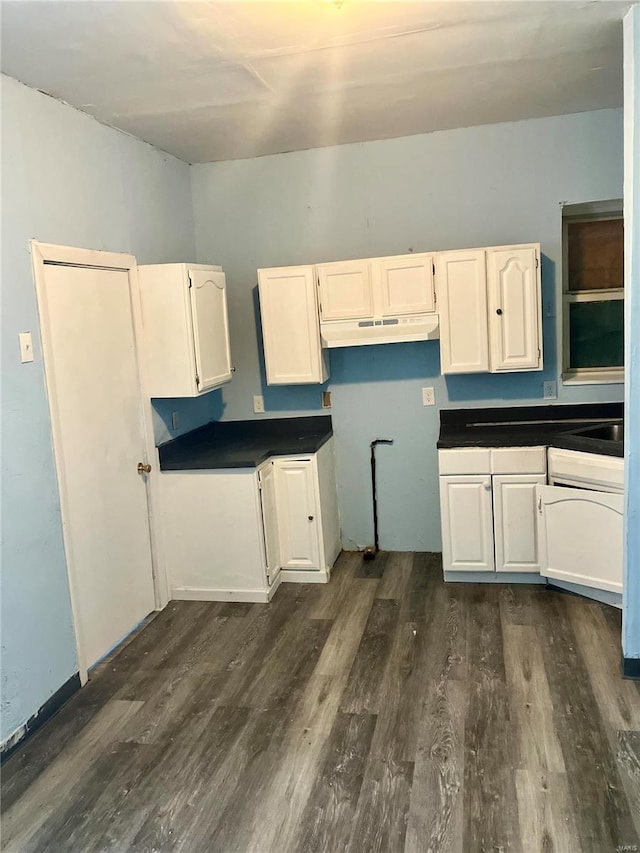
point(65, 179)
point(631, 595)
point(477, 186)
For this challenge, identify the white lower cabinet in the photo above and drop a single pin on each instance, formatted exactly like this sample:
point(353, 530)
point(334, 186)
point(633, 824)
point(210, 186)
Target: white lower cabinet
point(580, 528)
point(297, 513)
point(467, 529)
point(489, 515)
point(235, 534)
point(514, 522)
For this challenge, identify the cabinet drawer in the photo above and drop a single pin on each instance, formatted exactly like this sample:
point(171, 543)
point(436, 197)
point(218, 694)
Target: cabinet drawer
point(587, 470)
point(519, 460)
point(467, 460)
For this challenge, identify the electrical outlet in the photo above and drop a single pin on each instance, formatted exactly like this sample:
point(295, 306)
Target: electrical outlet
point(550, 390)
point(26, 347)
point(326, 399)
point(258, 404)
point(175, 420)
point(428, 397)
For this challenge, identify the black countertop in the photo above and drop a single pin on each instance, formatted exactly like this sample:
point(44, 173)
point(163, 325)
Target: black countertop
point(529, 426)
point(244, 444)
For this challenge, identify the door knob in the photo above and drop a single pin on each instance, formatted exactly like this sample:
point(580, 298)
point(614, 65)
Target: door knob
point(143, 469)
point(499, 311)
point(310, 518)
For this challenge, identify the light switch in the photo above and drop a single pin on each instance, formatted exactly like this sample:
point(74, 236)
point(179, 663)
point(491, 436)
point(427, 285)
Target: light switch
point(26, 347)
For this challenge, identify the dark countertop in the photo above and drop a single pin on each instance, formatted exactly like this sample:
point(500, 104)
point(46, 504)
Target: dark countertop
point(244, 444)
point(529, 426)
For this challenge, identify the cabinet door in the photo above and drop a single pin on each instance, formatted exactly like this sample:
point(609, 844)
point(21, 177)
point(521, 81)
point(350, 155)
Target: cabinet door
point(290, 326)
point(404, 284)
point(298, 523)
point(514, 309)
point(345, 290)
point(467, 524)
point(462, 304)
point(268, 506)
point(580, 536)
point(514, 522)
point(210, 328)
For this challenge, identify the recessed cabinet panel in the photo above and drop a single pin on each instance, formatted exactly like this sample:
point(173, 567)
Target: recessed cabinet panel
point(514, 519)
point(345, 290)
point(467, 524)
point(580, 536)
point(462, 304)
point(210, 328)
point(297, 514)
point(290, 327)
point(404, 284)
point(514, 299)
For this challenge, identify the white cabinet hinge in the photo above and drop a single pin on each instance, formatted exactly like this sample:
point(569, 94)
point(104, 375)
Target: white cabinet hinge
point(537, 262)
point(197, 379)
point(190, 281)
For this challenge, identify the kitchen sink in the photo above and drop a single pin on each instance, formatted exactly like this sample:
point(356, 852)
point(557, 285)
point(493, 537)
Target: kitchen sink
point(613, 431)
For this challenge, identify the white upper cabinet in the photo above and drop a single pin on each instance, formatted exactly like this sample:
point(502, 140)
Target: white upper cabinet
point(185, 329)
point(490, 308)
point(403, 285)
point(462, 304)
point(290, 327)
point(345, 290)
point(514, 306)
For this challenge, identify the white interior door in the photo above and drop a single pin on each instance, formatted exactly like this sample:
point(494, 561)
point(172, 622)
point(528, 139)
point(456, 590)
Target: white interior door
point(297, 514)
point(467, 524)
point(404, 284)
point(462, 304)
point(268, 505)
point(514, 521)
point(580, 536)
point(94, 394)
point(345, 291)
point(210, 328)
point(514, 297)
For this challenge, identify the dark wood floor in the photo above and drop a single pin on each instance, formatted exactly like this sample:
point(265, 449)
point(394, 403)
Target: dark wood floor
point(386, 711)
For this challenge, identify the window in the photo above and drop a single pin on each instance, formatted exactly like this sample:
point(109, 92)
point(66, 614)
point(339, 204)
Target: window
point(593, 293)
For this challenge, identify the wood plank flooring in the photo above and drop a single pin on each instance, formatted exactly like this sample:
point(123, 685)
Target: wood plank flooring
point(385, 711)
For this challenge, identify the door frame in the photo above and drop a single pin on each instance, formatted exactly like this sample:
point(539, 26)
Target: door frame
point(49, 253)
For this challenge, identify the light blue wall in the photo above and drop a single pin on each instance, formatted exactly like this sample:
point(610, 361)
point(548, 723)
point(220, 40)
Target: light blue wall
point(65, 179)
point(478, 186)
point(631, 596)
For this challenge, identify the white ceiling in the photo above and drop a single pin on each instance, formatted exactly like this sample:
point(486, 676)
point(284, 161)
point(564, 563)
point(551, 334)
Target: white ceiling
point(223, 80)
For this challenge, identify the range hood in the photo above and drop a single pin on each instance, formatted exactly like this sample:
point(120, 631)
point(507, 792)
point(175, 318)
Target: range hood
point(390, 330)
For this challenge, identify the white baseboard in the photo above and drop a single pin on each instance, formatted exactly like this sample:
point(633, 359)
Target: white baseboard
point(192, 593)
point(293, 576)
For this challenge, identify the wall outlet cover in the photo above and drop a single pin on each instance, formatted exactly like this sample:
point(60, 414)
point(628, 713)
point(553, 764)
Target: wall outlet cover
point(326, 399)
point(258, 404)
point(550, 390)
point(428, 397)
point(175, 420)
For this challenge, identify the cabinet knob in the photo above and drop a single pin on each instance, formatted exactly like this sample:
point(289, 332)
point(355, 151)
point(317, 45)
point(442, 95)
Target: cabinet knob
point(310, 518)
point(499, 311)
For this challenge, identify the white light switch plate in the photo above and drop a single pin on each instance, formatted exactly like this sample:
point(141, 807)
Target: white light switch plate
point(26, 347)
point(258, 404)
point(428, 397)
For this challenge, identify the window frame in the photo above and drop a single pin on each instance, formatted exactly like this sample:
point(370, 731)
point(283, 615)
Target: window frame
point(589, 212)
